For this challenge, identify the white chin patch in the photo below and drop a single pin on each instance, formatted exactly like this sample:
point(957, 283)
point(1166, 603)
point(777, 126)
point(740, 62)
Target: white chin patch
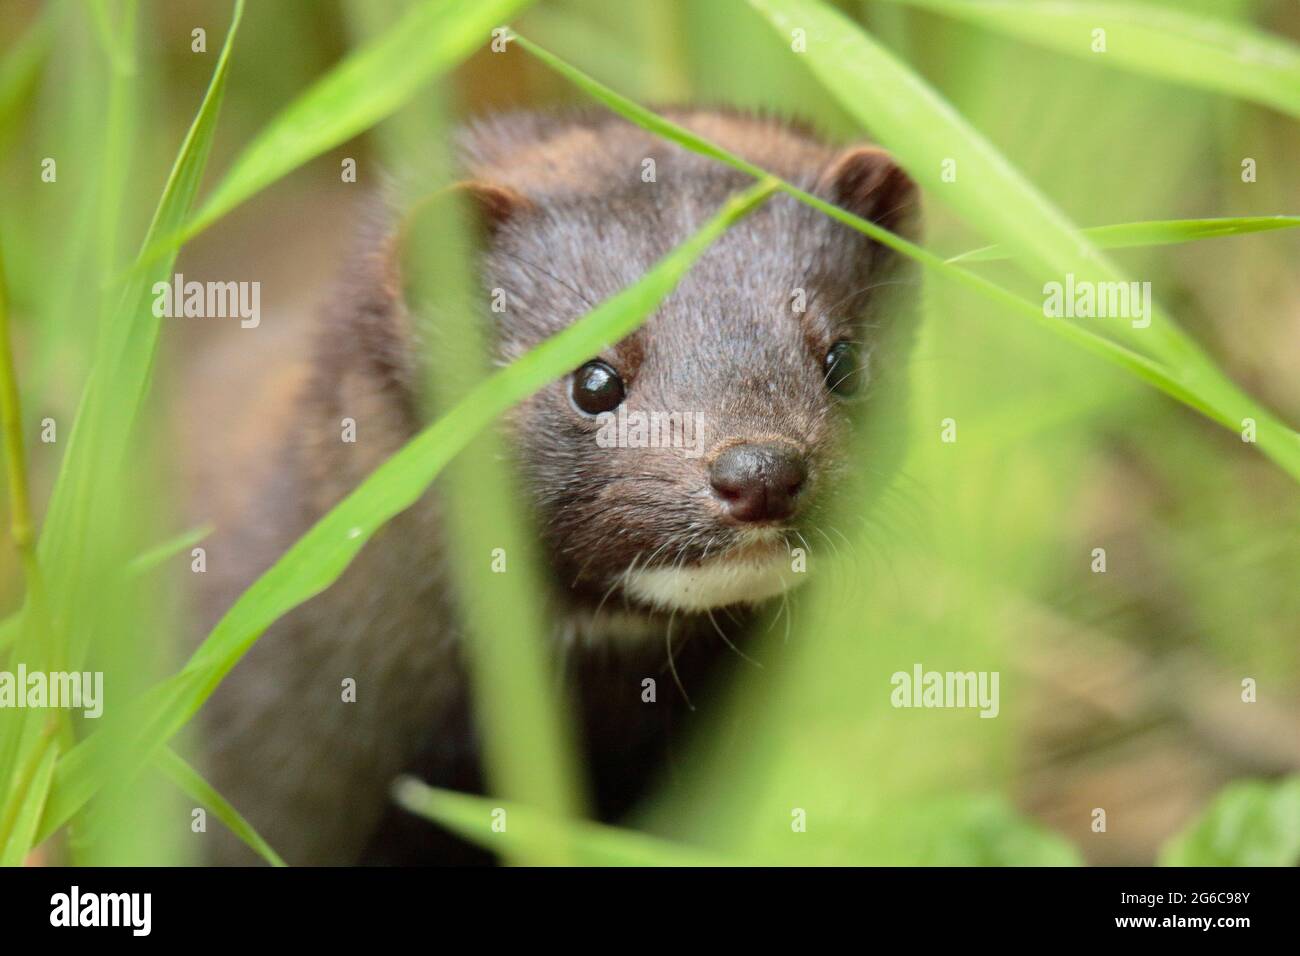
point(714, 584)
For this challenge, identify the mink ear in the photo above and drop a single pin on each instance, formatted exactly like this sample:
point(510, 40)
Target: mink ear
point(865, 181)
point(486, 207)
point(490, 204)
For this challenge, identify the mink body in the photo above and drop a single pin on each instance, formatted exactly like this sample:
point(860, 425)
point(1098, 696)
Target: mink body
point(573, 223)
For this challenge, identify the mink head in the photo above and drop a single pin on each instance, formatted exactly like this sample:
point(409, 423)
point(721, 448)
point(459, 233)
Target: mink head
point(681, 467)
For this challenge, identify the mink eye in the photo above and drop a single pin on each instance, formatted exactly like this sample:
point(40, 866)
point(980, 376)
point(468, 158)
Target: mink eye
point(597, 388)
point(843, 368)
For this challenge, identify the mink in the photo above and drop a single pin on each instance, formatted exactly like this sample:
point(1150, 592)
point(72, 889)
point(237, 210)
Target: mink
point(781, 340)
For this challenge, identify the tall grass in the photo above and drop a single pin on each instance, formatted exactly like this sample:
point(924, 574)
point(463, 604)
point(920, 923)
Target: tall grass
point(821, 719)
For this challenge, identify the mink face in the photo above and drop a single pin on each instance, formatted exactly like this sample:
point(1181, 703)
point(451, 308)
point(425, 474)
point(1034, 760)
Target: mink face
point(678, 468)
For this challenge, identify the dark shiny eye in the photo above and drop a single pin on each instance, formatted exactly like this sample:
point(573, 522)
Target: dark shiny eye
point(597, 388)
point(843, 369)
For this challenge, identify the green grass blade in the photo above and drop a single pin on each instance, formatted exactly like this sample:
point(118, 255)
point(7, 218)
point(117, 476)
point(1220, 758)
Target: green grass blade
point(527, 753)
point(22, 835)
point(318, 558)
point(174, 767)
point(1251, 823)
point(168, 549)
point(141, 727)
point(1161, 232)
point(367, 86)
point(116, 47)
point(1282, 445)
point(22, 63)
point(116, 159)
point(529, 831)
point(1204, 52)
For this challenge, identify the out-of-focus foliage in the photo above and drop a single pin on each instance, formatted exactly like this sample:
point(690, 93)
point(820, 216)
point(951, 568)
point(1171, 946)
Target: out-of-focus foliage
point(1249, 824)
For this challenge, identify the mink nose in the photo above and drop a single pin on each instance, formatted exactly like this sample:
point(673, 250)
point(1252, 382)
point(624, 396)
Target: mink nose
point(758, 482)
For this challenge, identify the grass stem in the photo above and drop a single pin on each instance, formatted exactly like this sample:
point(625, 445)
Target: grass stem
point(20, 512)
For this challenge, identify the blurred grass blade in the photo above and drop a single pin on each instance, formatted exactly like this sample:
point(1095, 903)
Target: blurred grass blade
point(22, 63)
point(20, 739)
point(318, 558)
point(367, 86)
point(1251, 823)
point(191, 781)
point(1283, 445)
point(116, 46)
point(1205, 52)
point(21, 817)
point(527, 751)
point(168, 549)
point(1163, 232)
point(528, 831)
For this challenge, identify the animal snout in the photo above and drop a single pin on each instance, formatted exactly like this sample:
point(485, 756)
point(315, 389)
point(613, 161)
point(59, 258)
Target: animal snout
point(759, 482)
